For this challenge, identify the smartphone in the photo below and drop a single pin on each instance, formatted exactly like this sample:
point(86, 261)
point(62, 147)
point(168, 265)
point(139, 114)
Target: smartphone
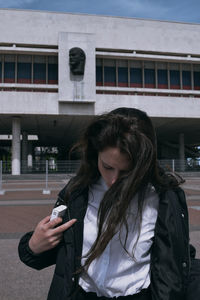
point(58, 211)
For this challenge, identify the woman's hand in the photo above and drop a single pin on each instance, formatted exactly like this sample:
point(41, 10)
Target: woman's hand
point(46, 235)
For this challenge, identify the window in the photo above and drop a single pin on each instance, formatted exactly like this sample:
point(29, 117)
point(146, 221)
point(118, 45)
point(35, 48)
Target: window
point(1, 68)
point(52, 70)
point(39, 69)
point(186, 77)
point(135, 74)
point(109, 72)
point(28, 69)
point(174, 76)
point(99, 72)
point(24, 65)
point(138, 74)
point(149, 74)
point(196, 69)
point(9, 68)
point(162, 75)
point(122, 73)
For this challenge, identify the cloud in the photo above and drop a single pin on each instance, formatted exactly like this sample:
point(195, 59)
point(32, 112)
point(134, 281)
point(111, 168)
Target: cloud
point(179, 10)
point(139, 7)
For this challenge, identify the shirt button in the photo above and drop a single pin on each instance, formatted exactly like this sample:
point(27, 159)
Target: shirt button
point(184, 264)
point(182, 215)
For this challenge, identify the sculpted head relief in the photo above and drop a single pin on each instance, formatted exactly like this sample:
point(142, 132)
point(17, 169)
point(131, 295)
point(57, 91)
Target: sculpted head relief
point(77, 61)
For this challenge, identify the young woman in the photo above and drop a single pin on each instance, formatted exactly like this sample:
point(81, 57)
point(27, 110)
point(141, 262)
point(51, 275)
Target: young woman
point(125, 232)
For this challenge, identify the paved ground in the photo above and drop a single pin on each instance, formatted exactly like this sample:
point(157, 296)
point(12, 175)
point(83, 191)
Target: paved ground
point(23, 205)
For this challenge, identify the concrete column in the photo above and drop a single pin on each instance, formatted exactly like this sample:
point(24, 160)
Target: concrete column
point(182, 152)
point(30, 155)
point(16, 147)
point(24, 151)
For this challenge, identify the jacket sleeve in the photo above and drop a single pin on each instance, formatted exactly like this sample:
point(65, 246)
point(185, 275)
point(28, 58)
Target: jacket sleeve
point(36, 261)
point(170, 253)
point(45, 259)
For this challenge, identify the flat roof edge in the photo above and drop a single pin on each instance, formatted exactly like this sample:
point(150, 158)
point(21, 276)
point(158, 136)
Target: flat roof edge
point(99, 16)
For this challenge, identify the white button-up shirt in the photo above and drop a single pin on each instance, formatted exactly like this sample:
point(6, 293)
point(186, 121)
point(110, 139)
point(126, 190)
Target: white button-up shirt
point(115, 273)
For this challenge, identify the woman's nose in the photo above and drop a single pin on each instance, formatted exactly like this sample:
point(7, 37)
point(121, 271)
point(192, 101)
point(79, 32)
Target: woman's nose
point(113, 181)
point(114, 178)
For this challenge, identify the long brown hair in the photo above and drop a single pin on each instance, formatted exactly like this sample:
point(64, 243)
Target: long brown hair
point(132, 132)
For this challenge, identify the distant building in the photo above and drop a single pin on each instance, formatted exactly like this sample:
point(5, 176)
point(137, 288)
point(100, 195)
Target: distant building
point(146, 64)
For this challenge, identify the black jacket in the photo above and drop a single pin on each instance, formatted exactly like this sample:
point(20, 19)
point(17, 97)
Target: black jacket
point(170, 261)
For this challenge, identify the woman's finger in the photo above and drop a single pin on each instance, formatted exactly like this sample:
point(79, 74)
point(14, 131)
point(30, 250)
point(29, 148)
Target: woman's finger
point(54, 222)
point(64, 226)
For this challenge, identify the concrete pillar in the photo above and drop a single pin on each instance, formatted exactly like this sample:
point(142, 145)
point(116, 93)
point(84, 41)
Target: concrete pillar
point(24, 151)
point(16, 147)
point(30, 155)
point(182, 152)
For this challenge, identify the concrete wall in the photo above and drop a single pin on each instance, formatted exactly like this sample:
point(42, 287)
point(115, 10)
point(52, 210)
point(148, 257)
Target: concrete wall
point(47, 103)
point(154, 106)
point(28, 103)
point(38, 27)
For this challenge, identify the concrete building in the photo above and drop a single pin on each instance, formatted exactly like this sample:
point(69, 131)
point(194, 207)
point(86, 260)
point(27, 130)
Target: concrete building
point(146, 64)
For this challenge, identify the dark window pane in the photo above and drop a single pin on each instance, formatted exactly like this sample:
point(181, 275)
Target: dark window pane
point(52, 73)
point(24, 72)
point(174, 79)
point(39, 73)
point(197, 80)
point(162, 79)
point(123, 76)
point(186, 78)
point(149, 78)
point(136, 77)
point(0, 71)
point(9, 72)
point(99, 76)
point(110, 76)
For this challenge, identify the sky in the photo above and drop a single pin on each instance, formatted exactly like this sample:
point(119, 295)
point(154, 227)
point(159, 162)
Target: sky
point(168, 10)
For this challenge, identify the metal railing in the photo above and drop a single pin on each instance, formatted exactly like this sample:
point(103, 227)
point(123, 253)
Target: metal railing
point(177, 165)
point(37, 167)
point(71, 166)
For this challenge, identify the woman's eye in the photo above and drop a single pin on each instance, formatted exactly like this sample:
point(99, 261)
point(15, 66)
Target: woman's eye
point(107, 167)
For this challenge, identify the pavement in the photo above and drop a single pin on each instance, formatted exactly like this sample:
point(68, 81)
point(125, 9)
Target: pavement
point(24, 201)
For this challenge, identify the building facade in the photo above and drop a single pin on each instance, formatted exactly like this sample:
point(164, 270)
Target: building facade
point(146, 64)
